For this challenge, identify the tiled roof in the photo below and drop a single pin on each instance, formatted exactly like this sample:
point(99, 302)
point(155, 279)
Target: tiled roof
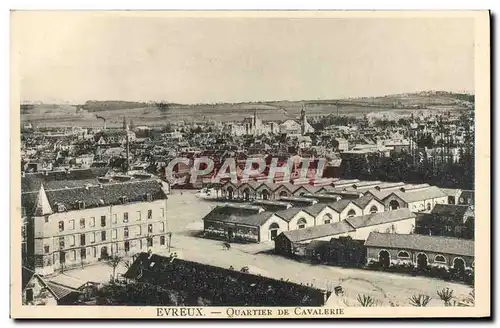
point(272, 206)
point(61, 179)
point(96, 196)
point(255, 220)
point(296, 199)
point(411, 196)
point(364, 200)
point(315, 209)
point(340, 205)
point(437, 244)
point(318, 231)
point(288, 214)
point(60, 291)
point(380, 218)
point(224, 212)
point(450, 210)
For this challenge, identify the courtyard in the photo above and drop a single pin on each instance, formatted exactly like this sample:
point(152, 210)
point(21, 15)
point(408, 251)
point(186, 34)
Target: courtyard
point(185, 212)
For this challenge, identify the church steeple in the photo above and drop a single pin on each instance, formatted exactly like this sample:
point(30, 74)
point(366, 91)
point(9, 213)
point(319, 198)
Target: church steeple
point(42, 203)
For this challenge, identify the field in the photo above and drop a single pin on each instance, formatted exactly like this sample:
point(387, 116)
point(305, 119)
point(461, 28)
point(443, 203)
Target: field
point(147, 114)
point(185, 212)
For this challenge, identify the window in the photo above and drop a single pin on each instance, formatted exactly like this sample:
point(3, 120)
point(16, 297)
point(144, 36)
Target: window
point(150, 242)
point(149, 198)
point(61, 226)
point(103, 235)
point(162, 226)
point(83, 253)
point(127, 246)
point(139, 230)
point(103, 221)
point(440, 259)
point(162, 240)
point(82, 239)
point(150, 228)
point(428, 206)
point(351, 213)
point(150, 214)
point(82, 223)
point(114, 234)
point(162, 212)
point(46, 218)
point(125, 217)
point(301, 223)
point(92, 221)
point(71, 224)
point(81, 205)
point(125, 232)
point(403, 255)
point(46, 249)
point(72, 255)
point(138, 215)
point(72, 240)
point(94, 251)
point(92, 238)
point(327, 218)
point(115, 218)
point(373, 209)
point(140, 244)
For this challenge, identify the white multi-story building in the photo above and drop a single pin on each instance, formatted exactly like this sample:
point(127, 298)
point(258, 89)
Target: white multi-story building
point(72, 227)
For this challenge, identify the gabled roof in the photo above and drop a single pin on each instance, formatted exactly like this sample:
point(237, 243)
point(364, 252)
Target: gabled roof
point(319, 231)
point(436, 244)
point(340, 205)
point(380, 218)
point(364, 200)
point(290, 213)
point(315, 209)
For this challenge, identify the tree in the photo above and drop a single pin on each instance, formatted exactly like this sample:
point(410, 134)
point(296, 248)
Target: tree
point(113, 262)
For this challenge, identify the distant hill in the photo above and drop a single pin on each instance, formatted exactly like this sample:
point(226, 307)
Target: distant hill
point(154, 114)
point(98, 106)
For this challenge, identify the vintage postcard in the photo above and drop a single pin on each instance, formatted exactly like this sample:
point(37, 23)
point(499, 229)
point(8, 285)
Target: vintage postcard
point(273, 164)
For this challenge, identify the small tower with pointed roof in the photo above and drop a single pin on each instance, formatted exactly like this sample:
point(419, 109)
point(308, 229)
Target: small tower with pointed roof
point(42, 206)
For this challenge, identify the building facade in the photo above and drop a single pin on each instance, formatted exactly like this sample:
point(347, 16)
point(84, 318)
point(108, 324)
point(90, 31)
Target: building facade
point(73, 227)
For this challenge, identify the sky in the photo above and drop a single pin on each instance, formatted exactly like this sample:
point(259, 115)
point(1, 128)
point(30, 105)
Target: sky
point(74, 58)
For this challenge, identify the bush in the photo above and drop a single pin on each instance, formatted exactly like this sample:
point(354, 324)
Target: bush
point(374, 265)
